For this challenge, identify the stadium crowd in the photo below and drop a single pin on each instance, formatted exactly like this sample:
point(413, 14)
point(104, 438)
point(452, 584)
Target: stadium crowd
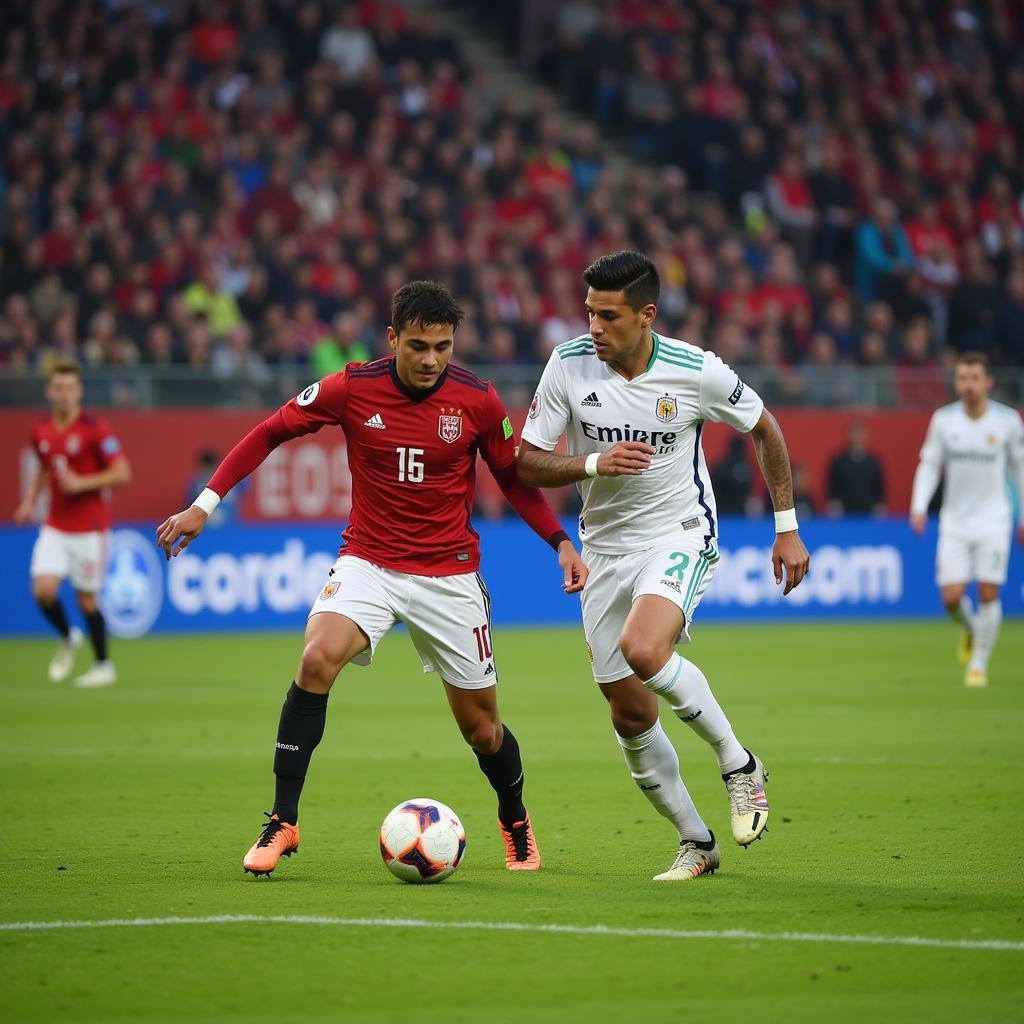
point(243, 185)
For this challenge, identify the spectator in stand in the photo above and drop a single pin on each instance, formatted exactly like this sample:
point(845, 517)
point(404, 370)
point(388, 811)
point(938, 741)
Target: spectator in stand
point(1008, 323)
point(883, 254)
point(791, 203)
point(348, 45)
point(205, 297)
point(833, 198)
point(972, 303)
point(856, 484)
point(335, 350)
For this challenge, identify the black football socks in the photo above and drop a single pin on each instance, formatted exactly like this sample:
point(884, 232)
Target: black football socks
point(56, 616)
point(504, 771)
point(300, 730)
point(97, 633)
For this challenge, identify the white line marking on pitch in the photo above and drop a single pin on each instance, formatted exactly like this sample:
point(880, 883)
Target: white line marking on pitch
point(514, 926)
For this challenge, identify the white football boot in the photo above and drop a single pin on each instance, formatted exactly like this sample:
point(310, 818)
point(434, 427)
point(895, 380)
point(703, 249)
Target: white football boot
point(102, 673)
point(747, 802)
point(692, 862)
point(63, 660)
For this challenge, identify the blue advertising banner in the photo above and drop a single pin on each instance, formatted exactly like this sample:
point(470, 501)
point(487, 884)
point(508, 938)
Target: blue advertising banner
point(266, 577)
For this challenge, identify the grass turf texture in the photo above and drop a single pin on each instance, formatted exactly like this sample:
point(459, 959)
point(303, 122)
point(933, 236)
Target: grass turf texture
point(895, 809)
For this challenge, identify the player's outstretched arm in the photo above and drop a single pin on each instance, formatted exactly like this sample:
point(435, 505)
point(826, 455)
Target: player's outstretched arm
point(538, 468)
point(789, 556)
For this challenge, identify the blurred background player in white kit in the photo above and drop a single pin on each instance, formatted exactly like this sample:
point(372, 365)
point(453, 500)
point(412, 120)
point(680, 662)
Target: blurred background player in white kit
point(976, 443)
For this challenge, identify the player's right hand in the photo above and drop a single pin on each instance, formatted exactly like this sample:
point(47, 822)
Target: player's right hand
point(918, 521)
point(174, 535)
point(627, 458)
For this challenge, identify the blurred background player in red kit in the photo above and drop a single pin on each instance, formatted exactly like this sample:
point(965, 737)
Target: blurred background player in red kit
point(414, 425)
point(79, 458)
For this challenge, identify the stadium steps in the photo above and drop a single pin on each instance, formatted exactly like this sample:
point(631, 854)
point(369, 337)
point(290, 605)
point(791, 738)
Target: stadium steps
point(482, 50)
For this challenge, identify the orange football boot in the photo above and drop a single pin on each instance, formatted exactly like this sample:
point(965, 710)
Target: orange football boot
point(521, 853)
point(278, 839)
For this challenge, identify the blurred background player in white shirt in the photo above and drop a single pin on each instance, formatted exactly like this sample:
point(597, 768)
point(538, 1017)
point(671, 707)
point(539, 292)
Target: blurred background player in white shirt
point(976, 443)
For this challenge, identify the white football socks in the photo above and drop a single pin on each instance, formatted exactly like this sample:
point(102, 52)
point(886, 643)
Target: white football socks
point(987, 620)
point(964, 614)
point(686, 689)
point(654, 765)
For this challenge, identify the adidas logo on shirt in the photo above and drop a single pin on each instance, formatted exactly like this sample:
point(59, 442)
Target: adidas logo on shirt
point(592, 400)
point(376, 422)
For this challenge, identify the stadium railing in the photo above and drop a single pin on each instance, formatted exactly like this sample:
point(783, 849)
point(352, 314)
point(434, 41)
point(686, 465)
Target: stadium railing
point(144, 386)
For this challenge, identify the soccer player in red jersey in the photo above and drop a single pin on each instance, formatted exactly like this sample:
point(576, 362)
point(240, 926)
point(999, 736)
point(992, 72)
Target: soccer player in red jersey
point(415, 424)
point(81, 458)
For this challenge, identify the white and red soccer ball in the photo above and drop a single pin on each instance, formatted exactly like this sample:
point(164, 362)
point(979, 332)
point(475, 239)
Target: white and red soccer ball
point(422, 840)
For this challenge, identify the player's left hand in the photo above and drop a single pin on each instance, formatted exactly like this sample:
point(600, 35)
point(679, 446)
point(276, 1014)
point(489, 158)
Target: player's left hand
point(789, 552)
point(70, 482)
point(572, 565)
point(1020, 533)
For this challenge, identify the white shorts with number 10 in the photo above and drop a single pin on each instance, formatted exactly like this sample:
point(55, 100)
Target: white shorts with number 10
point(680, 572)
point(449, 617)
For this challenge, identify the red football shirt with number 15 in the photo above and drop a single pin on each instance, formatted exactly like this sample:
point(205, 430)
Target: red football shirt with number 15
point(412, 455)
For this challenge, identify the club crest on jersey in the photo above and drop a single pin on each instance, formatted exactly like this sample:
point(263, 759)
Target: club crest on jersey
point(449, 424)
point(667, 408)
point(73, 444)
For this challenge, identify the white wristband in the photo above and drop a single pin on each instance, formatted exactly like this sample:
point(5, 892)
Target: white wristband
point(785, 521)
point(590, 466)
point(207, 501)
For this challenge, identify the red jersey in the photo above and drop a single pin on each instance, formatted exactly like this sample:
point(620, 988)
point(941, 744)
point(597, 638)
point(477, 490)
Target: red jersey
point(412, 455)
point(87, 445)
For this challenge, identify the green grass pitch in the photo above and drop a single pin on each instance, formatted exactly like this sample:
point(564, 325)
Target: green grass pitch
point(896, 813)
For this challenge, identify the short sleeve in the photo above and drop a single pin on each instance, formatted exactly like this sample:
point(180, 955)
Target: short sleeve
point(549, 411)
point(107, 444)
point(497, 440)
point(319, 405)
point(725, 398)
point(932, 450)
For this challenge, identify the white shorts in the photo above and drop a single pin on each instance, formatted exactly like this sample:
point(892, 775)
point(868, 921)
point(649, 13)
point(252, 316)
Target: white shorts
point(680, 572)
point(449, 617)
point(80, 556)
point(962, 558)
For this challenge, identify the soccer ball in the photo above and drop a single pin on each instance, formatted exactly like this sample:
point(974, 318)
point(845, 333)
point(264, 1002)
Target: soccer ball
point(422, 840)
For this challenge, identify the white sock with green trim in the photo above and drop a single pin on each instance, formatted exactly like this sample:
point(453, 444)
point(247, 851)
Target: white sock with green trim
point(686, 689)
point(654, 765)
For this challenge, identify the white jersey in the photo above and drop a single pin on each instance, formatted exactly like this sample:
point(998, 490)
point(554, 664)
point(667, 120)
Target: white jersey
point(665, 406)
point(977, 457)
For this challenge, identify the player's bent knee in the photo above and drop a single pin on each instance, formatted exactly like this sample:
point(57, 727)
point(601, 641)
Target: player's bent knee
point(644, 656)
point(44, 593)
point(317, 668)
point(484, 735)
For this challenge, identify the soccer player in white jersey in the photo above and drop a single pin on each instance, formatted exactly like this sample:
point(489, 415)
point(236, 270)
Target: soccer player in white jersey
point(632, 406)
point(977, 444)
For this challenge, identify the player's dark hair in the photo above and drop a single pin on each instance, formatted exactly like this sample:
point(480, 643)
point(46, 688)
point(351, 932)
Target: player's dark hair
point(426, 303)
point(64, 365)
point(975, 358)
point(632, 273)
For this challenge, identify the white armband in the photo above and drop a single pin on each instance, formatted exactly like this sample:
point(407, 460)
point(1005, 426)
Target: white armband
point(785, 521)
point(590, 466)
point(207, 501)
